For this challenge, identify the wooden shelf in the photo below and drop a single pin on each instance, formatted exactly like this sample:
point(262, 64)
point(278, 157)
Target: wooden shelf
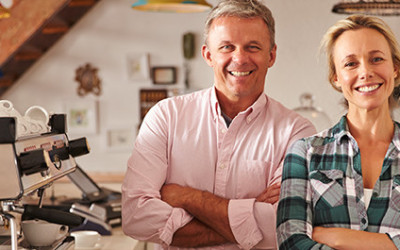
point(28, 55)
point(80, 3)
point(6, 81)
point(55, 26)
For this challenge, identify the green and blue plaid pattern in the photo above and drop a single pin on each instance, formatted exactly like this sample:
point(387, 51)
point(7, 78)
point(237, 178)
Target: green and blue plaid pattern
point(322, 185)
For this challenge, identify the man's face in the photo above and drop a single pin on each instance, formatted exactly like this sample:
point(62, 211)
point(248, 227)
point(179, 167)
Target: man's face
point(239, 51)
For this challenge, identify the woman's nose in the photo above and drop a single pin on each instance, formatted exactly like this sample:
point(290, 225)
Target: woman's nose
point(365, 71)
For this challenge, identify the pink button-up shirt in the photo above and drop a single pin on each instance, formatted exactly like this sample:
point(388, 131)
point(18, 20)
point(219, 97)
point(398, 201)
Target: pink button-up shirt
point(185, 140)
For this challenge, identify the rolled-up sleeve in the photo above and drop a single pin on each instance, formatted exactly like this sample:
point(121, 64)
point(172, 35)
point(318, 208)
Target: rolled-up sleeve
point(253, 223)
point(144, 215)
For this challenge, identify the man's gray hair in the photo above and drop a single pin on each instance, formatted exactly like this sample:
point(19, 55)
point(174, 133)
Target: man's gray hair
point(242, 9)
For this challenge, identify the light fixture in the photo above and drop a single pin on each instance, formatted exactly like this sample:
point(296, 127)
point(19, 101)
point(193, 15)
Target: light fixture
point(5, 6)
point(180, 6)
point(370, 7)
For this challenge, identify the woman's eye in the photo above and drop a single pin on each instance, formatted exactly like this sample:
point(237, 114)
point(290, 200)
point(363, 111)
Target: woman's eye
point(349, 64)
point(377, 59)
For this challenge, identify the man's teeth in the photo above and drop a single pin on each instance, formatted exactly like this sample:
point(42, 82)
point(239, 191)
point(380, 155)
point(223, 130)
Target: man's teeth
point(368, 88)
point(237, 73)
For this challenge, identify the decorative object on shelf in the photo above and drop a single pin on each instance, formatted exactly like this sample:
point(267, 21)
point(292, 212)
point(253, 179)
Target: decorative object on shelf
point(178, 6)
point(82, 116)
point(138, 67)
point(88, 80)
point(148, 98)
point(370, 7)
point(163, 75)
point(5, 6)
point(315, 115)
point(188, 53)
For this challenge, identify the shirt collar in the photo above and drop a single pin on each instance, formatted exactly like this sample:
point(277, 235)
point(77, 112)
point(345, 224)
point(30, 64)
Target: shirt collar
point(341, 132)
point(251, 112)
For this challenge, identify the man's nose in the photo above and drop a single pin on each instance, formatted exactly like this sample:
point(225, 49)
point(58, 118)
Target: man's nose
point(240, 56)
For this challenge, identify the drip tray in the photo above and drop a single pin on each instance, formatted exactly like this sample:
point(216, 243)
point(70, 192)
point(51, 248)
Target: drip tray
point(62, 244)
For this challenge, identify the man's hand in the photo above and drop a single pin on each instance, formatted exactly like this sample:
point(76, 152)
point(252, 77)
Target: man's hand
point(270, 194)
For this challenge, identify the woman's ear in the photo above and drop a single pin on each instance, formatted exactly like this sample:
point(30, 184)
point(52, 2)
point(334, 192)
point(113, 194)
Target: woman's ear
point(336, 82)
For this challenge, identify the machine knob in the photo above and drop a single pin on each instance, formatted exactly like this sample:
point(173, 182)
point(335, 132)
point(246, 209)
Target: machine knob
point(34, 161)
point(79, 147)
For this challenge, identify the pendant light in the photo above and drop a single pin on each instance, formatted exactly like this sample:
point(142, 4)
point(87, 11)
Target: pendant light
point(179, 6)
point(370, 7)
point(5, 6)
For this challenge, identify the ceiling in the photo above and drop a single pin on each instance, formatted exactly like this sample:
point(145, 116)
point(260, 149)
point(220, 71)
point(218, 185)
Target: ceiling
point(33, 28)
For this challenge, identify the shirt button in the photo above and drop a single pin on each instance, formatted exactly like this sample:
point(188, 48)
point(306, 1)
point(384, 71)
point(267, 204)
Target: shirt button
point(222, 166)
point(375, 194)
point(248, 119)
point(223, 131)
point(363, 221)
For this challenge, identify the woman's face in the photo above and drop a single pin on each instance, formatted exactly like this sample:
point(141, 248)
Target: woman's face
point(364, 68)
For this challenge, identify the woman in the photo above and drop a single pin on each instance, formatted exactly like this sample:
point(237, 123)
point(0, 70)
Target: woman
point(341, 188)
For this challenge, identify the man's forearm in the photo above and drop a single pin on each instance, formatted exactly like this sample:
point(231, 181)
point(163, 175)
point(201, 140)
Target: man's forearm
point(211, 210)
point(205, 206)
point(196, 234)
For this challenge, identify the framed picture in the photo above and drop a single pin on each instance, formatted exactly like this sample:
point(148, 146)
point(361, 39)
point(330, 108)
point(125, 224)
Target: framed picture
point(138, 67)
point(120, 139)
point(163, 75)
point(81, 117)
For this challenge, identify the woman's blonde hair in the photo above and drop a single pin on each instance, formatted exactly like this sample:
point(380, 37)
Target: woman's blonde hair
point(356, 22)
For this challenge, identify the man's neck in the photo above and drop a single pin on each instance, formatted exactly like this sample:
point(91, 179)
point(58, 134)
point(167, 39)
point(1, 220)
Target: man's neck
point(233, 106)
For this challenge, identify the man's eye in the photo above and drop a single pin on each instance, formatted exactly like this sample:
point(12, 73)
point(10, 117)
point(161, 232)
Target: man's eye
point(226, 47)
point(254, 48)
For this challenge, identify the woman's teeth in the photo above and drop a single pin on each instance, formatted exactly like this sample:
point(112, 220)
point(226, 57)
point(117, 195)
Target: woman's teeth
point(237, 73)
point(368, 88)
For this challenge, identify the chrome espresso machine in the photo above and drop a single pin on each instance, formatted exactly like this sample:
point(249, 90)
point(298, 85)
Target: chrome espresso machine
point(34, 152)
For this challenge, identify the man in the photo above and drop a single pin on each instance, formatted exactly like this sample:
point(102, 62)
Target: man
point(206, 167)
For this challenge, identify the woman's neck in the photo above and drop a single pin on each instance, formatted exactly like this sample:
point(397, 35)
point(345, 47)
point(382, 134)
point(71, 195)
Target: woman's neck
point(375, 125)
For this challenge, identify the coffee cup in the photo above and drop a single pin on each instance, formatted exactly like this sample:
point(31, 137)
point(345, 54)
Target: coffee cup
point(38, 119)
point(86, 239)
point(39, 233)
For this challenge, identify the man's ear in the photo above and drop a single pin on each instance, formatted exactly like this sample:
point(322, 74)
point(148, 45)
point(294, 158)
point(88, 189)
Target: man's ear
point(205, 52)
point(272, 56)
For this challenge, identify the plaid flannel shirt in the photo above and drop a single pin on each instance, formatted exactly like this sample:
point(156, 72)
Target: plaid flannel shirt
point(322, 185)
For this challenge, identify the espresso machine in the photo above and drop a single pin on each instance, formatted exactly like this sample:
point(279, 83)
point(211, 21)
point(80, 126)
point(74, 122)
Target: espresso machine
point(34, 152)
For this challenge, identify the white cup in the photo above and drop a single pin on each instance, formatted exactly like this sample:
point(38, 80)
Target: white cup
point(86, 239)
point(37, 113)
point(40, 233)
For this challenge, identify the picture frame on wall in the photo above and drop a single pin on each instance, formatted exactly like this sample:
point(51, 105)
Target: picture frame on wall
point(138, 66)
point(120, 139)
point(164, 75)
point(82, 116)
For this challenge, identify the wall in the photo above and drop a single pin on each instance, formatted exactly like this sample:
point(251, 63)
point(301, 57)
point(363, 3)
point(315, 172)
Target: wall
point(112, 30)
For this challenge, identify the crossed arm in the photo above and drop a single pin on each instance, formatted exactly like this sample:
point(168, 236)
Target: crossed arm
point(343, 238)
point(211, 223)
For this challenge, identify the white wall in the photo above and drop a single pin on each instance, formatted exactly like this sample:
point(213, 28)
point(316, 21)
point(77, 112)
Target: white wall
point(112, 30)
